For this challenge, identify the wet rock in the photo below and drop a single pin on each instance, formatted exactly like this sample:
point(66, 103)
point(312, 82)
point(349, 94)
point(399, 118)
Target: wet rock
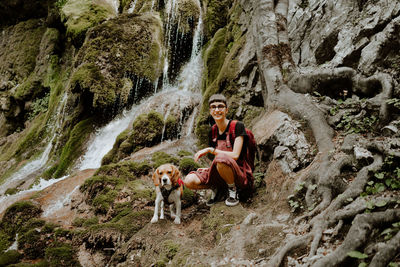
point(390, 130)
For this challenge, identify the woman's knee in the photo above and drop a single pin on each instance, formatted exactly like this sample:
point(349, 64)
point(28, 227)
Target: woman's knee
point(192, 181)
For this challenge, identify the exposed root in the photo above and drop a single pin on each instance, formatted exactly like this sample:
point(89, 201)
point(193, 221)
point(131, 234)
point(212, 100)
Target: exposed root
point(386, 252)
point(358, 235)
point(291, 244)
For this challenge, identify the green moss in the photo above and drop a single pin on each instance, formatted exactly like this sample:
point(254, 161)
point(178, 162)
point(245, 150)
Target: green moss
point(61, 256)
point(129, 170)
point(141, 190)
point(103, 202)
point(80, 15)
point(169, 250)
point(187, 165)
point(216, 16)
point(9, 257)
point(111, 156)
point(85, 222)
point(11, 191)
point(127, 223)
point(32, 244)
point(128, 46)
point(184, 153)
point(188, 12)
point(88, 78)
point(159, 158)
point(74, 146)
point(171, 127)
point(18, 215)
point(21, 49)
point(214, 56)
point(5, 239)
point(222, 218)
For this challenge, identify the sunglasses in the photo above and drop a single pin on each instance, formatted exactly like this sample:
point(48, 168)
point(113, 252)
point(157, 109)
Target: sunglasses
point(214, 107)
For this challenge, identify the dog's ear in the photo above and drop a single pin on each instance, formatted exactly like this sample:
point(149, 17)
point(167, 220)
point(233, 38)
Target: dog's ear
point(156, 178)
point(176, 173)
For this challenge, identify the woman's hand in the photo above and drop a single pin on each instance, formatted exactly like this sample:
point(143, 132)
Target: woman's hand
point(202, 152)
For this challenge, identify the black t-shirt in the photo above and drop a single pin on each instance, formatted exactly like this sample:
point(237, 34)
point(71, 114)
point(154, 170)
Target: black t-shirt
point(239, 131)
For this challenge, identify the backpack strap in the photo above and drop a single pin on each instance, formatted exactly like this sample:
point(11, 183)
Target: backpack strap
point(214, 133)
point(231, 133)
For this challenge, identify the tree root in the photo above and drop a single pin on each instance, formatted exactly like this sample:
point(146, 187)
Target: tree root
point(387, 252)
point(296, 242)
point(358, 235)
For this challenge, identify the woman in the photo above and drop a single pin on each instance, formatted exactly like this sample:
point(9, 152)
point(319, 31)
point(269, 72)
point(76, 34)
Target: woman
point(228, 171)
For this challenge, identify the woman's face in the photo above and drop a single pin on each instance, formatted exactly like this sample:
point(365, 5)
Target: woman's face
point(218, 110)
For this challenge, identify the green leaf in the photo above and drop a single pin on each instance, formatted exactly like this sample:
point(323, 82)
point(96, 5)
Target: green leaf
point(380, 187)
point(357, 254)
point(362, 264)
point(393, 264)
point(387, 231)
point(369, 205)
point(397, 224)
point(380, 175)
point(381, 203)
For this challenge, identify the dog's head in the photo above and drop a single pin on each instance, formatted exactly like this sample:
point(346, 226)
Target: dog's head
point(166, 175)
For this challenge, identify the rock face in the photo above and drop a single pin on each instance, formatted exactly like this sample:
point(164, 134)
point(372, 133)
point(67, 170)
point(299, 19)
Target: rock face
point(126, 47)
point(279, 138)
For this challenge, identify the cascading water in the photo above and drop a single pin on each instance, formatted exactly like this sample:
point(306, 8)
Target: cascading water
point(184, 93)
point(38, 164)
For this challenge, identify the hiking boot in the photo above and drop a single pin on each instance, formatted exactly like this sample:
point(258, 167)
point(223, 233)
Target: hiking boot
point(216, 196)
point(233, 198)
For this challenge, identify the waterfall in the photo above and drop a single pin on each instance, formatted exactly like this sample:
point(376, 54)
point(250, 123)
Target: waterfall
point(104, 139)
point(185, 91)
point(36, 165)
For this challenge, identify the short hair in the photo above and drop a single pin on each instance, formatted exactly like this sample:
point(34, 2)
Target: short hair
point(217, 98)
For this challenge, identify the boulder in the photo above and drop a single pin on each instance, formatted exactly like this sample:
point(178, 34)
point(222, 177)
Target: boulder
point(279, 138)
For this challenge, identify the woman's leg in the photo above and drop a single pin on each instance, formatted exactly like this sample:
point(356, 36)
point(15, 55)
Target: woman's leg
point(192, 181)
point(226, 172)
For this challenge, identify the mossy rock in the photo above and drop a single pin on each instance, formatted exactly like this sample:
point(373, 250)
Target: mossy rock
point(159, 158)
point(129, 47)
point(146, 130)
point(222, 218)
point(112, 155)
point(10, 257)
point(171, 128)
point(188, 15)
point(80, 15)
point(127, 222)
point(129, 170)
point(168, 251)
point(140, 190)
point(18, 214)
point(217, 16)
point(74, 146)
point(187, 165)
point(61, 256)
point(32, 244)
point(21, 49)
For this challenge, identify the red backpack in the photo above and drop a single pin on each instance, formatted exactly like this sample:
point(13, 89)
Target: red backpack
point(251, 144)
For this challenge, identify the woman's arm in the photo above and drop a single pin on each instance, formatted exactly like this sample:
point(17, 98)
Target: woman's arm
point(237, 149)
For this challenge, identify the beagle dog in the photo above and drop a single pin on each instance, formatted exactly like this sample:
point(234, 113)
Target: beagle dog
point(169, 190)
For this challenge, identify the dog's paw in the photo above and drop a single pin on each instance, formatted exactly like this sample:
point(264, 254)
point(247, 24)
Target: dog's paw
point(154, 220)
point(173, 215)
point(177, 220)
point(161, 217)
